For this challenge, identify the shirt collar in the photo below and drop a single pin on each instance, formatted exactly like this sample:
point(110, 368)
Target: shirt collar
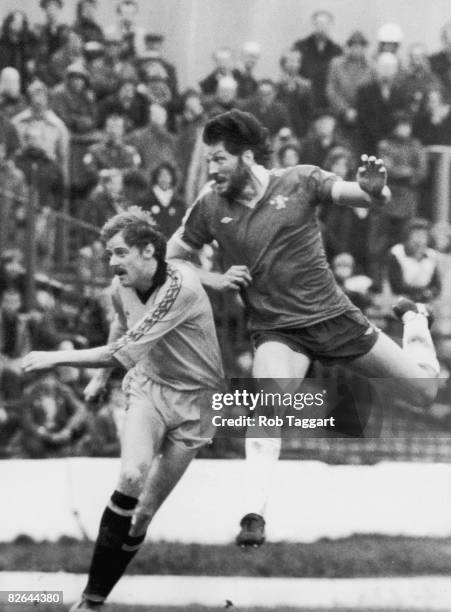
point(261, 175)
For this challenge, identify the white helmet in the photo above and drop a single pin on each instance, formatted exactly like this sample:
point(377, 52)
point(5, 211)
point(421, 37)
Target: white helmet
point(390, 32)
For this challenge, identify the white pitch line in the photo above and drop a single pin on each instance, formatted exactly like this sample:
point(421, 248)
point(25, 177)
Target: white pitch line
point(432, 593)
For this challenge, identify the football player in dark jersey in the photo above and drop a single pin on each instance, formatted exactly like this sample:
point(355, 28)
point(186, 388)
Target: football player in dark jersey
point(266, 225)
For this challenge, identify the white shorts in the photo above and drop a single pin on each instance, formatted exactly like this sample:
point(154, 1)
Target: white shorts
point(186, 416)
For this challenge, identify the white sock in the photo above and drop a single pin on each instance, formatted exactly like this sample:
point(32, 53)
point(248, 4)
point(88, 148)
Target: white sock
point(261, 458)
point(417, 342)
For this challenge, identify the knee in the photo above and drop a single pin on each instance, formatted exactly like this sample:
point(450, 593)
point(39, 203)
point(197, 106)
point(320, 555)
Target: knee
point(132, 478)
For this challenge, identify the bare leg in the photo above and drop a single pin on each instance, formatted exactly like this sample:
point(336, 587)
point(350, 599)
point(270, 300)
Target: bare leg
point(165, 472)
point(141, 442)
point(277, 361)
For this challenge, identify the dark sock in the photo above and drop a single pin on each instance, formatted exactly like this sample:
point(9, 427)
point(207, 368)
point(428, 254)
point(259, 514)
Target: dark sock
point(114, 548)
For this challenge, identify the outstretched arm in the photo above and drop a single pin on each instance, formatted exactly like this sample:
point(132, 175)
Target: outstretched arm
point(99, 357)
point(370, 188)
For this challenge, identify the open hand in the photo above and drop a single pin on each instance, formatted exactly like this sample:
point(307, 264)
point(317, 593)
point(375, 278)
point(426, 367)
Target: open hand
point(372, 176)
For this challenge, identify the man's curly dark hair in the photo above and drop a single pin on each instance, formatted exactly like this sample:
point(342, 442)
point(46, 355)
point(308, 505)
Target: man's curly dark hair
point(239, 131)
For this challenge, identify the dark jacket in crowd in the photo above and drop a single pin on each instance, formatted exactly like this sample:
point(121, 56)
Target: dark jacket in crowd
point(314, 150)
point(44, 174)
point(50, 40)
point(137, 112)
point(168, 217)
point(247, 85)
point(376, 114)
point(9, 135)
point(155, 145)
point(315, 65)
point(441, 66)
point(88, 30)
point(17, 53)
point(76, 109)
point(406, 164)
point(296, 95)
point(209, 85)
point(274, 116)
point(433, 133)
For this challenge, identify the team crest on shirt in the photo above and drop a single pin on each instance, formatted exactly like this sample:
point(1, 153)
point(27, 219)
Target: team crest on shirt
point(279, 201)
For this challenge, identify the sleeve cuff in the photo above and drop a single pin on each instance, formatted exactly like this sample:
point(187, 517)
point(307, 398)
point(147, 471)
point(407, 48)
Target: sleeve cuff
point(122, 357)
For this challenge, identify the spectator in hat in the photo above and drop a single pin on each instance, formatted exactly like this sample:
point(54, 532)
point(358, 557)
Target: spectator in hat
point(73, 101)
point(295, 92)
point(378, 100)
point(322, 138)
point(18, 46)
point(53, 134)
point(264, 105)
point(247, 83)
point(129, 102)
point(317, 51)
point(441, 61)
point(12, 101)
point(389, 38)
point(223, 67)
point(166, 206)
point(418, 77)
point(52, 34)
point(86, 24)
point(346, 74)
point(69, 53)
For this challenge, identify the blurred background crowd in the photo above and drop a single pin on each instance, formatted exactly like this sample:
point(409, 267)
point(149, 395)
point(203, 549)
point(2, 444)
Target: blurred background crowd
point(93, 120)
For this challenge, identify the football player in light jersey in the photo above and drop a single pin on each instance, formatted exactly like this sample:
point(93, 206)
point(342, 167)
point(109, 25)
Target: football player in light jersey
point(266, 225)
point(163, 333)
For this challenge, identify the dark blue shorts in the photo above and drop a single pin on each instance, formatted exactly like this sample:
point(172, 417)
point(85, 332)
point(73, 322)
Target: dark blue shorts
point(334, 341)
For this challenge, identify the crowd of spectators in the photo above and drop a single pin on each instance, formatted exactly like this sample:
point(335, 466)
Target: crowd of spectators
point(92, 121)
